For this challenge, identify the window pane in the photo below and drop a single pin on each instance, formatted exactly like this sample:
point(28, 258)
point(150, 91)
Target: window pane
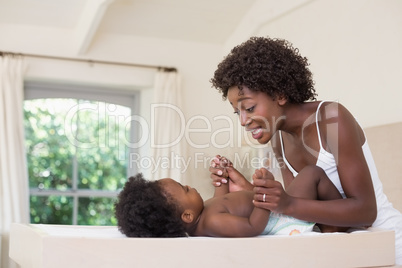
point(51, 209)
point(100, 169)
point(74, 145)
point(96, 211)
point(102, 159)
point(49, 152)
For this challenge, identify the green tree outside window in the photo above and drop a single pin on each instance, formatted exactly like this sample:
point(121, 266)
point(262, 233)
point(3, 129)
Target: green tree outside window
point(77, 159)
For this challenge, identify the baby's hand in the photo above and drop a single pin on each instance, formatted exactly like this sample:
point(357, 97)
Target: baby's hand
point(218, 169)
point(224, 162)
point(220, 162)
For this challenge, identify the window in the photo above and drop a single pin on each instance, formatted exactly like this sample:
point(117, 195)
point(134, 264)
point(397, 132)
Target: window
point(77, 142)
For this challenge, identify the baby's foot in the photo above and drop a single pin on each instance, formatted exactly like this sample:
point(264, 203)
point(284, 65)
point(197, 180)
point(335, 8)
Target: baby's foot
point(263, 174)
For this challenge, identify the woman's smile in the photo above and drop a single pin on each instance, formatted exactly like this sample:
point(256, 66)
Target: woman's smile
point(257, 133)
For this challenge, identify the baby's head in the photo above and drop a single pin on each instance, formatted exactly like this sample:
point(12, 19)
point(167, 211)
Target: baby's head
point(268, 65)
point(144, 210)
point(155, 208)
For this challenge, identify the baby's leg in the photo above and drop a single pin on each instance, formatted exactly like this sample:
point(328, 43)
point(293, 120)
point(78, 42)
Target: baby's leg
point(313, 183)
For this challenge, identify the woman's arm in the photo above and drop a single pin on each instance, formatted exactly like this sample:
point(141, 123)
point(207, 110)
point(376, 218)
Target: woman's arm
point(359, 208)
point(346, 145)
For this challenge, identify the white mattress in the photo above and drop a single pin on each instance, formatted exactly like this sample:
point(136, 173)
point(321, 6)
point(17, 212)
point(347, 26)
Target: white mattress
point(50, 246)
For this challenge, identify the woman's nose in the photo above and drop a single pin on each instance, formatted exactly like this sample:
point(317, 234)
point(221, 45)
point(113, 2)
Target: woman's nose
point(244, 119)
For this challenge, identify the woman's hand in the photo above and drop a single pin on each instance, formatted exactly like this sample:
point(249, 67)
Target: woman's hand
point(218, 170)
point(269, 194)
point(222, 171)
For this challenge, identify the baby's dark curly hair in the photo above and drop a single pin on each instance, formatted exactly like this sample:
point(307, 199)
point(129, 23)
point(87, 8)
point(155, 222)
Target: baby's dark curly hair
point(143, 209)
point(269, 65)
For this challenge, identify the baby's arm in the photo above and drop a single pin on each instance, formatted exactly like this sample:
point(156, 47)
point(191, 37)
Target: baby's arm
point(222, 162)
point(230, 225)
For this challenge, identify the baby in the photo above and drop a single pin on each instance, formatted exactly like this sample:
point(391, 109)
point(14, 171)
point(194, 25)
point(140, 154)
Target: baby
point(165, 208)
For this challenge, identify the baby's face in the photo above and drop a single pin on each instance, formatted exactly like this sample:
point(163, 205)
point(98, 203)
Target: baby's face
point(187, 197)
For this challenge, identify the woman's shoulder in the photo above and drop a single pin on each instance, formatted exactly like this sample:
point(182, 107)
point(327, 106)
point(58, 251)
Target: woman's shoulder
point(334, 115)
point(333, 111)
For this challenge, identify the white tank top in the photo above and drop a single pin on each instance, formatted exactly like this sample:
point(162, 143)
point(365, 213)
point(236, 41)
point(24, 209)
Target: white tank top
point(325, 160)
point(387, 216)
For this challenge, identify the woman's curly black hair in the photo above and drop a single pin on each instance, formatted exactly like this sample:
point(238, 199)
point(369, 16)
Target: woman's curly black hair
point(143, 209)
point(269, 65)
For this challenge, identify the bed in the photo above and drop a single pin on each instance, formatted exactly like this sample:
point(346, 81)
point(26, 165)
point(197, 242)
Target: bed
point(50, 246)
point(60, 246)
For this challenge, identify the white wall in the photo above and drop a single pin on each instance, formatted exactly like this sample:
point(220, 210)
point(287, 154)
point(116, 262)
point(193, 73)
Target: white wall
point(354, 48)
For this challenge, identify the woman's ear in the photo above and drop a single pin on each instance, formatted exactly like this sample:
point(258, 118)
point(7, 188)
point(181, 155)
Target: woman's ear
point(187, 216)
point(282, 100)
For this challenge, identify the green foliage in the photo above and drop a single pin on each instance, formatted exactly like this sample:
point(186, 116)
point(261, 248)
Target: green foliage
point(49, 153)
point(96, 211)
point(51, 209)
point(74, 148)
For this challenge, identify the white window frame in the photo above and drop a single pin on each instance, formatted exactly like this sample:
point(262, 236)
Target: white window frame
point(129, 98)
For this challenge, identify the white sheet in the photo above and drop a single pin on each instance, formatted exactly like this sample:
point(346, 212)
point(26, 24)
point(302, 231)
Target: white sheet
point(113, 232)
point(80, 231)
point(62, 246)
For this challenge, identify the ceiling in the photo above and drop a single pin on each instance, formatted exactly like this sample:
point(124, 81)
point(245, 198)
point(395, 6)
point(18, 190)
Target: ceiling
point(210, 21)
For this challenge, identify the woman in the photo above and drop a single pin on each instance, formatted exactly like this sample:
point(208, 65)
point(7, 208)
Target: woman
point(270, 87)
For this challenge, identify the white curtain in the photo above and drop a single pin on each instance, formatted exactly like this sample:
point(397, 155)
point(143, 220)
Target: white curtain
point(14, 200)
point(167, 129)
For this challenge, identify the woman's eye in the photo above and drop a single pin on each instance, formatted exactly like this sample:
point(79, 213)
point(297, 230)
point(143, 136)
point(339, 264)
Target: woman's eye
point(236, 112)
point(250, 109)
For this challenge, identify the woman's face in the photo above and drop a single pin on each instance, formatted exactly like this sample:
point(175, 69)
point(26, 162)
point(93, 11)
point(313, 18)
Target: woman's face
point(257, 111)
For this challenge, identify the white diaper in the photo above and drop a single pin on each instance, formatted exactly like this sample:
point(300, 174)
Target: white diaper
point(279, 224)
